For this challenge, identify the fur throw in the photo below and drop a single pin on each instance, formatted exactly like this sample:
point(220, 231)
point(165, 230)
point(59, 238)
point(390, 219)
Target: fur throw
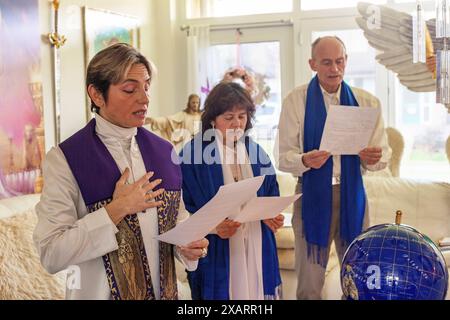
point(22, 276)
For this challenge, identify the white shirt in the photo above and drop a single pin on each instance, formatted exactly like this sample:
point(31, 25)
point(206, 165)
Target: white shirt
point(288, 149)
point(66, 235)
point(246, 271)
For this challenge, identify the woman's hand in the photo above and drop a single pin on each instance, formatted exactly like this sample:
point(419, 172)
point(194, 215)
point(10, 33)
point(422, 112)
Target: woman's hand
point(131, 198)
point(227, 228)
point(195, 250)
point(275, 223)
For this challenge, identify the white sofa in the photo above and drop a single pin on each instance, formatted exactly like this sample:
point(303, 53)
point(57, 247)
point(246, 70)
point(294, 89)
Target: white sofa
point(22, 276)
point(425, 206)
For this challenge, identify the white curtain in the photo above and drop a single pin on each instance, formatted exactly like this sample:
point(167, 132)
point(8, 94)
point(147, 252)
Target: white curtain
point(198, 61)
point(200, 9)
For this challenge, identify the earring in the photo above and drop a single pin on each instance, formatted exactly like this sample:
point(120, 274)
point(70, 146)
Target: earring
point(214, 134)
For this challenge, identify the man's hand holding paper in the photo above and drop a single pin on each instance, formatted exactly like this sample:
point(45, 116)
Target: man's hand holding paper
point(315, 159)
point(371, 156)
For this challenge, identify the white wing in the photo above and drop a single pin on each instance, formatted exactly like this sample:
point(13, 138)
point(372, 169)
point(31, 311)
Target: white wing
point(392, 36)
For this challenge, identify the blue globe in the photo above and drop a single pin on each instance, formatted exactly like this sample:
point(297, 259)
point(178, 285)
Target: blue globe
point(393, 262)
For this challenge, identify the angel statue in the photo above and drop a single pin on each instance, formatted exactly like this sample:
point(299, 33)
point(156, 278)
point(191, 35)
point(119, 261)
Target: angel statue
point(391, 32)
point(181, 126)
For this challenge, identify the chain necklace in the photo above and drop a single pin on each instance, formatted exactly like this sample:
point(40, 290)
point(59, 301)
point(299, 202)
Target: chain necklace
point(235, 167)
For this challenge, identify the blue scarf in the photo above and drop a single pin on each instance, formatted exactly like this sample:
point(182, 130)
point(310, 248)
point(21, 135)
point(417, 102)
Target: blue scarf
point(200, 183)
point(317, 186)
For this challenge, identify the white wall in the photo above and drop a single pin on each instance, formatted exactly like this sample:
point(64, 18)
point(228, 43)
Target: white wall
point(73, 99)
point(170, 59)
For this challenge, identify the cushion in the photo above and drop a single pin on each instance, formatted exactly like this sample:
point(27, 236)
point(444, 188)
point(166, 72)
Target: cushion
point(22, 276)
point(285, 238)
point(286, 259)
point(11, 206)
point(424, 204)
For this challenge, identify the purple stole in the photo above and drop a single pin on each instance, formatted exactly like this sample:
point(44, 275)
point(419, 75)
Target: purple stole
point(96, 174)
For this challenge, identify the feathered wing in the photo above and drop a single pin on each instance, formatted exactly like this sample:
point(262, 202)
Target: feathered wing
point(393, 38)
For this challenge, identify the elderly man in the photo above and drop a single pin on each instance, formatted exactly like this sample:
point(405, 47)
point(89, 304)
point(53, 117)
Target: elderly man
point(333, 205)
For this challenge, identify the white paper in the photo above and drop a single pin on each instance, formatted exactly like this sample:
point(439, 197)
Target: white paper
point(261, 208)
point(348, 130)
point(226, 202)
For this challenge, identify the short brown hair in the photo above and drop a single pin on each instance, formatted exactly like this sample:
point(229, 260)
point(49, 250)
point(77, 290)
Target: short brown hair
point(224, 97)
point(110, 65)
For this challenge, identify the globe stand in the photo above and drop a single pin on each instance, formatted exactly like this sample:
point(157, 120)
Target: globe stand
point(393, 261)
point(398, 217)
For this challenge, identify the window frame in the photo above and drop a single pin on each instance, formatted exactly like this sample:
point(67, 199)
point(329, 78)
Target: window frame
point(340, 18)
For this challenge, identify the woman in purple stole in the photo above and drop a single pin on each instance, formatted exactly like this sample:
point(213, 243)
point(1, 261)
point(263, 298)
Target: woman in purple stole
point(242, 260)
point(110, 189)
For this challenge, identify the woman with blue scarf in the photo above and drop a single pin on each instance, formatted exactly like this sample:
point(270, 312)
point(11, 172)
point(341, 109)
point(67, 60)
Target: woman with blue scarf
point(242, 260)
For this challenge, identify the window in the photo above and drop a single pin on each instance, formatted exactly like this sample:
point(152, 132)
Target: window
point(425, 127)
point(262, 59)
point(412, 1)
point(268, 52)
point(424, 124)
point(227, 8)
point(332, 4)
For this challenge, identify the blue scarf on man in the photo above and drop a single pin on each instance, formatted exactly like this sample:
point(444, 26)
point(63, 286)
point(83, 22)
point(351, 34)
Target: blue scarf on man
point(317, 186)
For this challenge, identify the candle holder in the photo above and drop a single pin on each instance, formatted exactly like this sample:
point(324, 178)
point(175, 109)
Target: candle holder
point(56, 39)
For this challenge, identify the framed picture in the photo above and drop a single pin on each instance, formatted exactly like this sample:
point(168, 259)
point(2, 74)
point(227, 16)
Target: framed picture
point(22, 146)
point(103, 28)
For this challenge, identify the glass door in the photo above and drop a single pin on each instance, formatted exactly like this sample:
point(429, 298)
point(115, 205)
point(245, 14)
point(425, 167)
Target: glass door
point(267, 53)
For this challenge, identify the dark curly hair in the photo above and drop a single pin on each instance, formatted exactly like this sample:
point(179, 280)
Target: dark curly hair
point(224, 97)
